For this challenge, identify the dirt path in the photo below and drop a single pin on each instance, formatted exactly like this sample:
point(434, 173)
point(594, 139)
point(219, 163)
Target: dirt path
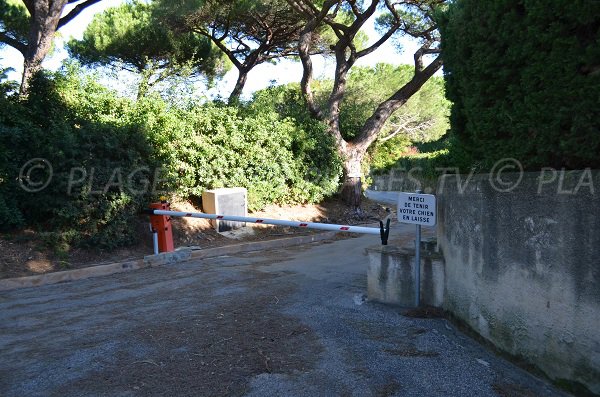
point(280, 323)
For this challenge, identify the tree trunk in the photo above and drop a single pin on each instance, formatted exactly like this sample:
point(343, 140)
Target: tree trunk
point(352, 188)
point(45, 20)
point(33, 60)
point(30, 67)
point(239, 86)
point(45, 17)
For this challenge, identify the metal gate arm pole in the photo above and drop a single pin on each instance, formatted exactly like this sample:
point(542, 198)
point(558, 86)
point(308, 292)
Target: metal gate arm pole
point(278, 222)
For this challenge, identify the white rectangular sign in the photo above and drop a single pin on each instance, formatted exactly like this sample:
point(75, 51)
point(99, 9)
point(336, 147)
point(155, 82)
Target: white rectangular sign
point(418, 209)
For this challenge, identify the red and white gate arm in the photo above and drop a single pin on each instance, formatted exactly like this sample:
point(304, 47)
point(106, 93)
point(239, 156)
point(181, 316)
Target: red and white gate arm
point(279, 222)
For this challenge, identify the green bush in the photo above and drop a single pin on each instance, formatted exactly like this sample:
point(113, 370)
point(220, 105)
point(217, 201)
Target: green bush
point(123, 154)
point(214, 146)
point(313, 148)
point(429, 161)
point(383, 155)
point(49, 126)
point(524, 78)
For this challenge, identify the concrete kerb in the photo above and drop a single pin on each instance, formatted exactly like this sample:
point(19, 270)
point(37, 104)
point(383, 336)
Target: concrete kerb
point(181, 255)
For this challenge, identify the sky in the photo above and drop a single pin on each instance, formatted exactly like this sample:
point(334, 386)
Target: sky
point(262, 76)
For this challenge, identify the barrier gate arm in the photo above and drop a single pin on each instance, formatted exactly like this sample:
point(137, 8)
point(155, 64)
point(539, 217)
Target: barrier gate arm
point(383, 231)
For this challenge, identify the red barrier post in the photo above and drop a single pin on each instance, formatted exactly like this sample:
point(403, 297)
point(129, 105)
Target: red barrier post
point(162, 225)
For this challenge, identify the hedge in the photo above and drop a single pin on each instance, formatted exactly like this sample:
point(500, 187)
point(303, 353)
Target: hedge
point(524, 79)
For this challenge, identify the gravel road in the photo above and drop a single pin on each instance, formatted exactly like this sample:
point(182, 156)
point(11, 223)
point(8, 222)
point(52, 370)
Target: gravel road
point(293, 322)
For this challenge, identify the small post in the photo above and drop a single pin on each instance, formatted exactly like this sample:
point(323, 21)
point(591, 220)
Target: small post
point(418, 262)
point(155, 241)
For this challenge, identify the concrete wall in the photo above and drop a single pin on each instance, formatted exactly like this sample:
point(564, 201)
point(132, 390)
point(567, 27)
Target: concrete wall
point(523, 267)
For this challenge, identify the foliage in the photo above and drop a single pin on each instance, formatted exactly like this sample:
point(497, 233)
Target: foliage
point(424, 163)
point(70, 124)
point(524, 77)
point(215, 146)
point(423, 118)
point(111, 156)
point(30, 26)
point(285, 100)
point(249, 33)
point(312, 146)
point(247, 24)
point(7, 86)
point(14, 22)
point(385, 154)
point(412, 18)
point(132, 37)
point(430, 159)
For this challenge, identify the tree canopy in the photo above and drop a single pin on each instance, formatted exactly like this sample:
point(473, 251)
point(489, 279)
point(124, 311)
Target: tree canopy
point(14, 24)
point(414, 18)
point(248, 32)
point(29, 27)
point(423, 118)
point(132, 37)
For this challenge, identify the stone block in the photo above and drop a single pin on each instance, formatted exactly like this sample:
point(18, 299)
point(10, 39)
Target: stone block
point(226, 201)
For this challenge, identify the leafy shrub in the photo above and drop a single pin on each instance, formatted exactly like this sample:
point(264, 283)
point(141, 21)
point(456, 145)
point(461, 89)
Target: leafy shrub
point(105, 152)
point(313, 148)
point(383, 155)
point(426, 163)
point(276, 158)
point(212, 146)
point(524, 78)
point(96, 142)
